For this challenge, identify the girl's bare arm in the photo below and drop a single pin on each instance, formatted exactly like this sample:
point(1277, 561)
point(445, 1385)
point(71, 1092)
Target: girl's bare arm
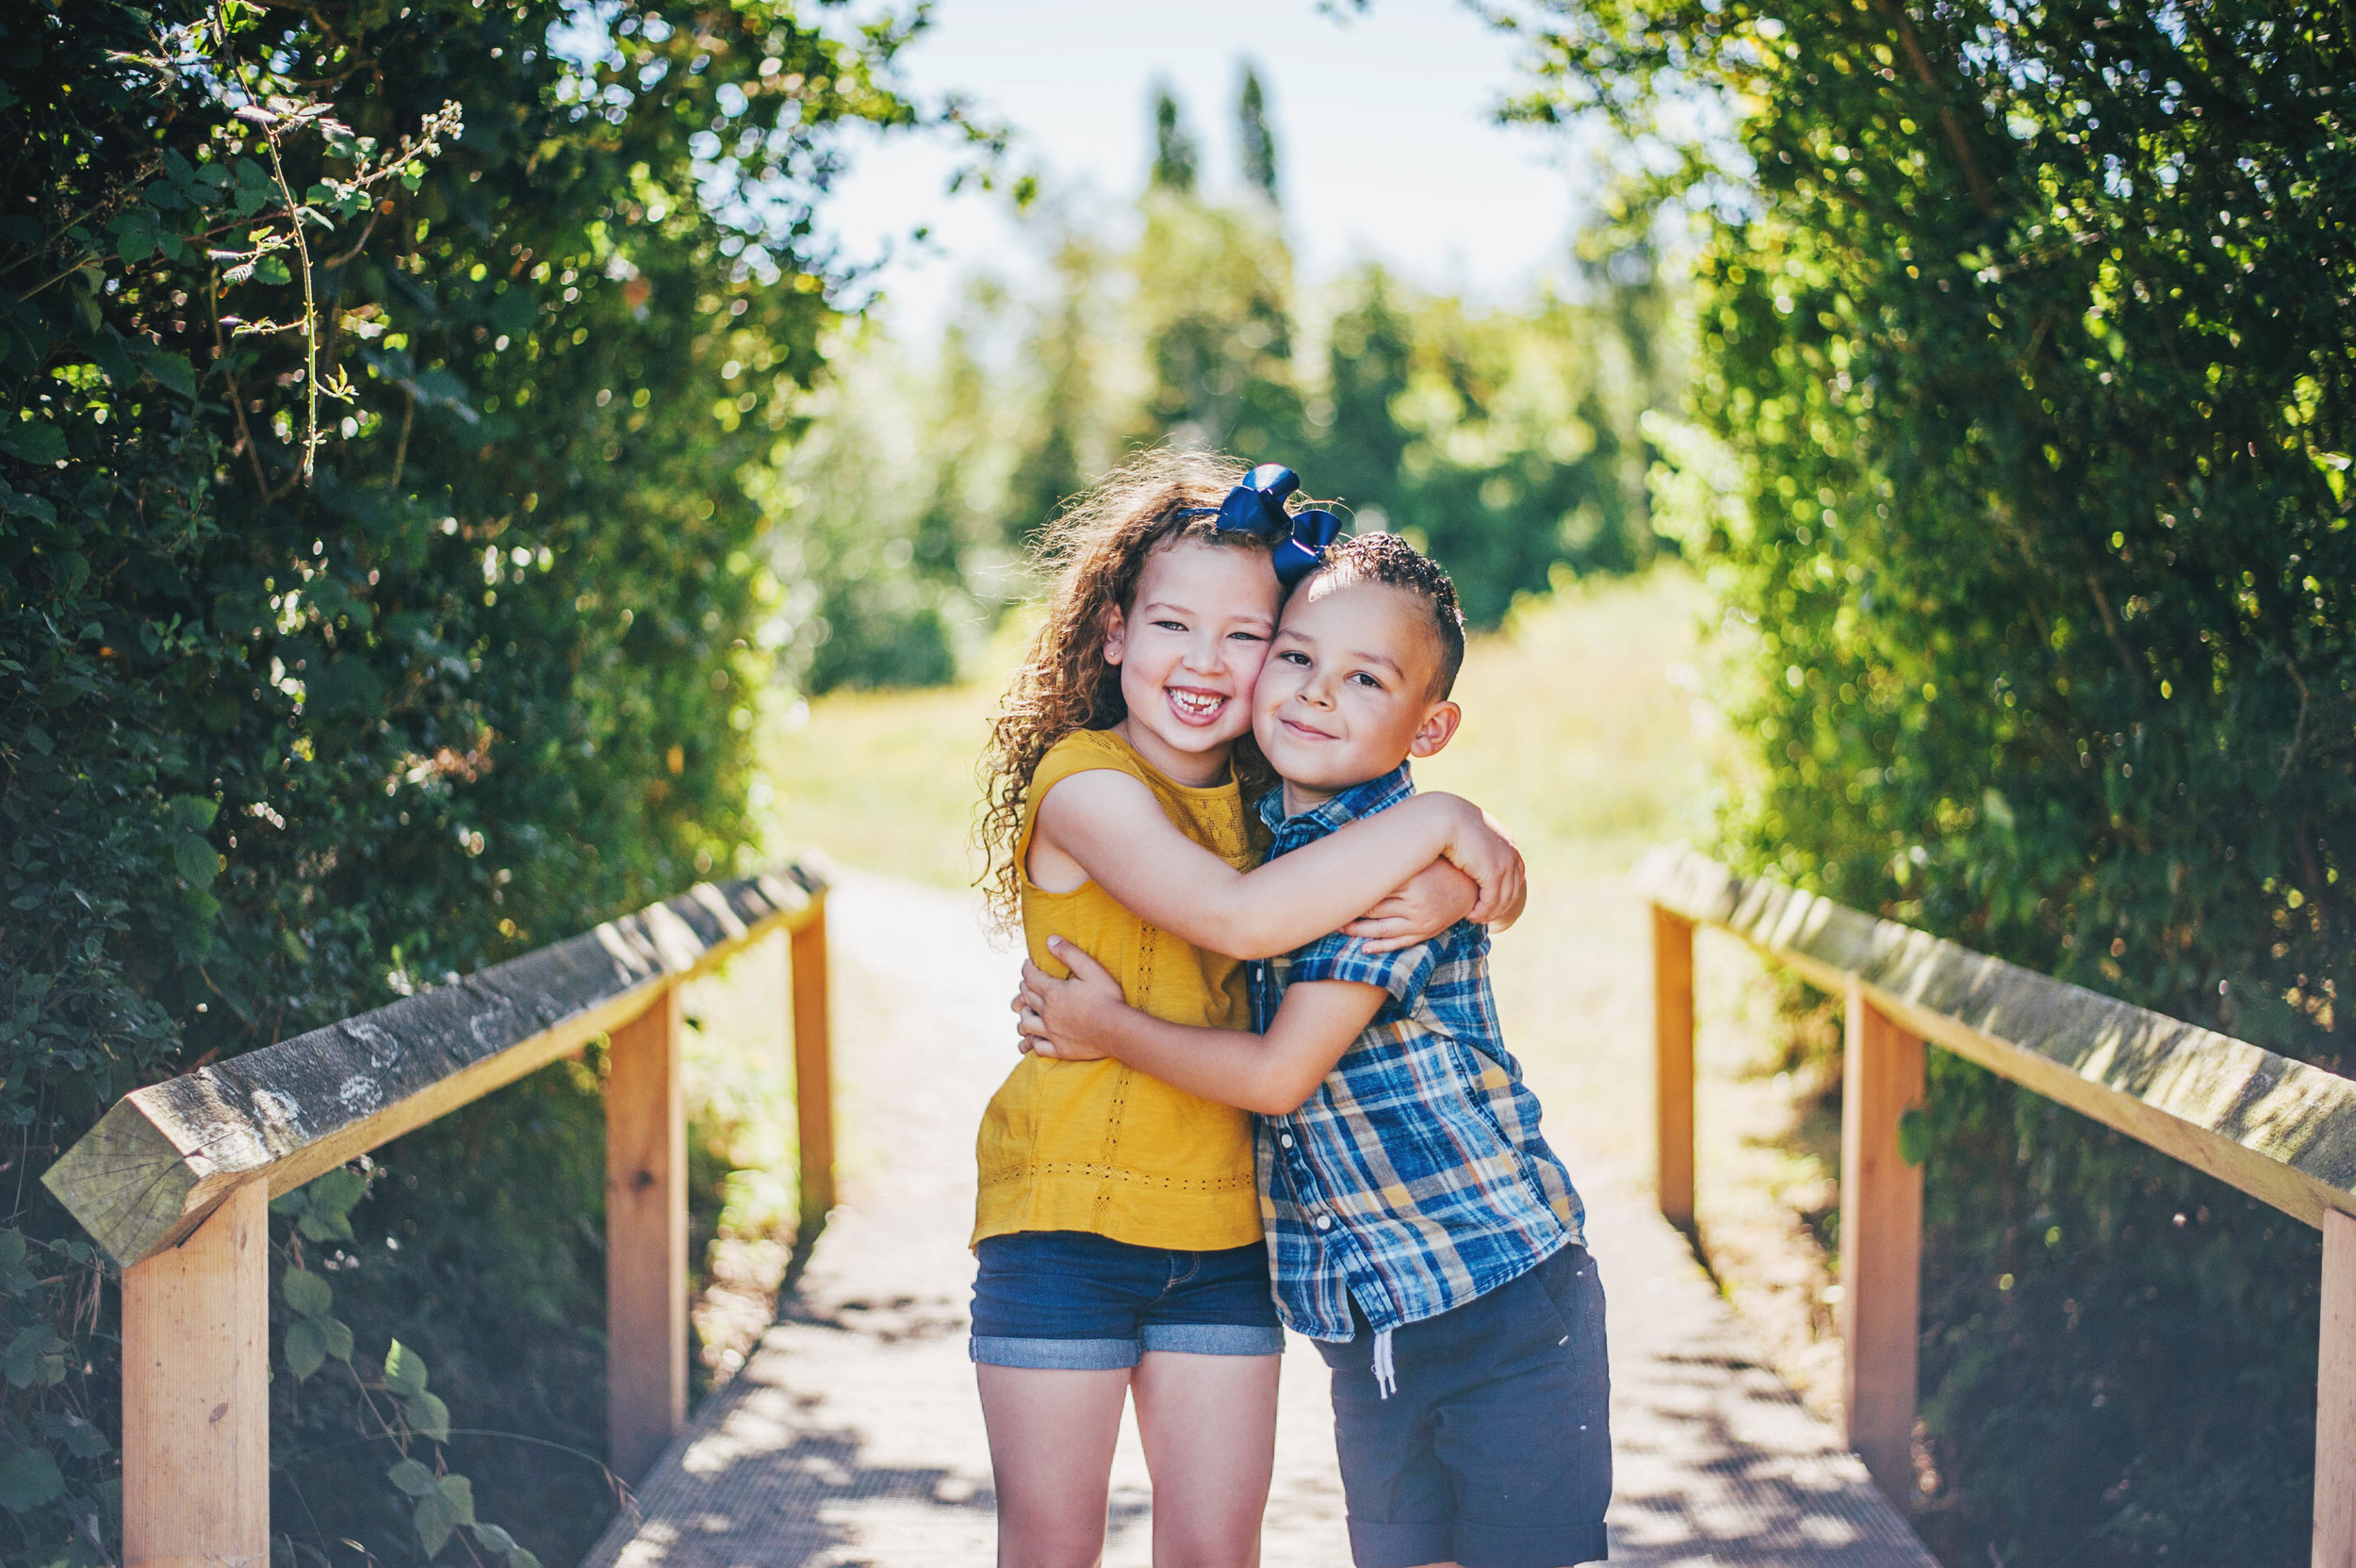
point(1110, 824)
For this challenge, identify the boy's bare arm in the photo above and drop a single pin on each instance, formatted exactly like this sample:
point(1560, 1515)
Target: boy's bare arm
point(1114, 828)
point(1272, 1073)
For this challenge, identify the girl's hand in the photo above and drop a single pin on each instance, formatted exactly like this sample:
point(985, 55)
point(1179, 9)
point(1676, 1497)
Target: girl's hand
point(1062, 1019)
point(1426, 905)
point(1480, 849)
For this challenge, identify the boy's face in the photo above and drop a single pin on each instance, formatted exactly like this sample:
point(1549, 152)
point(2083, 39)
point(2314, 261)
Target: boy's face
point(1346, 694)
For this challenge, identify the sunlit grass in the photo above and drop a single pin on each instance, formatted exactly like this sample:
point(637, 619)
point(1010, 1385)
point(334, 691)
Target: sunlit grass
point(886, 780)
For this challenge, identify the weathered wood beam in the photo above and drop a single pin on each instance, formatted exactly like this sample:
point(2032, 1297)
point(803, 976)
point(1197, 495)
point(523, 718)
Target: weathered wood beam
point(1673, 1065)
point(814, 1073)
point(1881, 1246)
point(2282, 1131)
point(2336, 1400)
point(164, 1156)
point(646, 1239)
point(196, 1395)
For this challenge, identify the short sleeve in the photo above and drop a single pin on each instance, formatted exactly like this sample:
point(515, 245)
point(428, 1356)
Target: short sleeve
point(1402, 973)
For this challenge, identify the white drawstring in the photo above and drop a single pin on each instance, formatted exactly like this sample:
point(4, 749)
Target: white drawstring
point(1386, 1370)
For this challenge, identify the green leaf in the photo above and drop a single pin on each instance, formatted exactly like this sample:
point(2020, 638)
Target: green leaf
point(314, 1225)
point(136, 241)
point(412, 1477)
point(329, 1201)
point(459, 1491)
point(195, 814)
point(172, 371)
point(28, 1479)
point(337, 1334)
point(37, 441)
point(34, 1358)
point(428, 1416)
point(84, 1441)
point(273, 270)
point(404, 1371)
point(307, 1293)
point(1914, 1136)
point(435, 1518)
point(348, 684)
point(521, 1559)
point(306, 1348)
point(495, 1539)
point(15, 1279)
point(196, 859)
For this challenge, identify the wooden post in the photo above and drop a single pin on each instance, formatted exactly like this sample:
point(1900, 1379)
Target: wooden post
point(196, 1395)
point(2335, 1399)
point(813, 1072)
point(646, 1239)
point(1881, 1244)
point(1673, 1065)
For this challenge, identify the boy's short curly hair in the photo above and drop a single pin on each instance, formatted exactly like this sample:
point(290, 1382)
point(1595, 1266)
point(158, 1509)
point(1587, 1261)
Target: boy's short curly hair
point(1387, 559)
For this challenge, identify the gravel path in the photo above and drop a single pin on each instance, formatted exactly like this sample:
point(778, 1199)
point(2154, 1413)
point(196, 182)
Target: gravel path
point(853, 1436)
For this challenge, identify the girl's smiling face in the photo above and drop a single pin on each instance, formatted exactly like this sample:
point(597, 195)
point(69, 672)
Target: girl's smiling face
point(1189, 649)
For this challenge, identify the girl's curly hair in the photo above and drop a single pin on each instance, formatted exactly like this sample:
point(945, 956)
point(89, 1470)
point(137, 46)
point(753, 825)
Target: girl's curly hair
point(1091, 555)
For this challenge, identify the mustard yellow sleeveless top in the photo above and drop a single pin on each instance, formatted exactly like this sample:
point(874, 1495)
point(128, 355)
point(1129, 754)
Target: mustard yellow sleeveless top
point(1100, 1147)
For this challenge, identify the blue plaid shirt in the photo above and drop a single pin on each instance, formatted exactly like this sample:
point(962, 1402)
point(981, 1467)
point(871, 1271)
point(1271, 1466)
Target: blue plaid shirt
point(1414, 1179)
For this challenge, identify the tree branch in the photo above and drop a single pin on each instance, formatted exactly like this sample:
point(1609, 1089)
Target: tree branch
point(1974, 178)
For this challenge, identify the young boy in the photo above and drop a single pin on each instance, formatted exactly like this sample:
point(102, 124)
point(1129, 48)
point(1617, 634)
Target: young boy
point(1419, 1227)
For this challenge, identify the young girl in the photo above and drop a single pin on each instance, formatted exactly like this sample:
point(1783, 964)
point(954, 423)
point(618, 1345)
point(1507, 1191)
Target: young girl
point(1119, 1226)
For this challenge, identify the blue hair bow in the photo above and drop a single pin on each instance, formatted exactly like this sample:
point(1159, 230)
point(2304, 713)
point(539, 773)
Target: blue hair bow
point(1296, 540)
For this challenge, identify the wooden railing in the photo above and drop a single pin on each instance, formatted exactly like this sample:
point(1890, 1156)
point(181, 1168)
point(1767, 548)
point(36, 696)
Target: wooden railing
point(2279, 1130)
point(176, 1180)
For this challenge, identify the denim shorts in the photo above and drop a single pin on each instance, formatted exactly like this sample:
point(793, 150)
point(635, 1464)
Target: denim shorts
point(1493, 1447)
point(1070, 1299)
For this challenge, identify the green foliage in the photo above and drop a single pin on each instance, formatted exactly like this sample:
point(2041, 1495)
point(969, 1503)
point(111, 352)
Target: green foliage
point(1514, 444)
point(1510, 445)
point(1214, 314)
point(1256, 137)
point(1174, 152)
point(2029, 331)
point(377, 598)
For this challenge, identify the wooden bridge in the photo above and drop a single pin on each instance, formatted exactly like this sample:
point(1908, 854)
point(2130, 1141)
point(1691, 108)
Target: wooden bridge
point(853, 1437)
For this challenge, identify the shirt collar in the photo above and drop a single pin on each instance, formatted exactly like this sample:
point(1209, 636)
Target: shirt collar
point(1358, 801)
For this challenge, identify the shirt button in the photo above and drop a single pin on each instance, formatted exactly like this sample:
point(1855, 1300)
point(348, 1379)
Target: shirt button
point(1284, 1138)
point(1325, 1222)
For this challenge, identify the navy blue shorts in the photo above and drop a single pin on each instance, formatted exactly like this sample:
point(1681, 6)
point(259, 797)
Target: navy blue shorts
point(1076, 1300)
point(1494, 1449)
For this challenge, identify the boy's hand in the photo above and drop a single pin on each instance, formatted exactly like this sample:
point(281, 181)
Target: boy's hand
point(1061, 1018)
point(1422, 907)
point(1482, 851)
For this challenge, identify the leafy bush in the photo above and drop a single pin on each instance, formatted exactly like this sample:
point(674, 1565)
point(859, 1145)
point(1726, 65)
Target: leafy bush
point(2029, 330)
point(377, 600)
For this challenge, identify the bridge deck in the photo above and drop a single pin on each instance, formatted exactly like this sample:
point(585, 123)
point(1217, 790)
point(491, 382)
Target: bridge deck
point(853, 1437)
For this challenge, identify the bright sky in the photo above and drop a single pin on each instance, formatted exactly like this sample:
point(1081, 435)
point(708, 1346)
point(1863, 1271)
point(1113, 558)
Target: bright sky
point(1386, 141)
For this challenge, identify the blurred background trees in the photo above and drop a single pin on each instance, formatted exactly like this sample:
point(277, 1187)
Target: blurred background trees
point(1511, 442)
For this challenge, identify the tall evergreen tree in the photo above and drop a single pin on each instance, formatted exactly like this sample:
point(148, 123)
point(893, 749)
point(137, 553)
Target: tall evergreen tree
point(1175, 156)
point(1258, 140)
